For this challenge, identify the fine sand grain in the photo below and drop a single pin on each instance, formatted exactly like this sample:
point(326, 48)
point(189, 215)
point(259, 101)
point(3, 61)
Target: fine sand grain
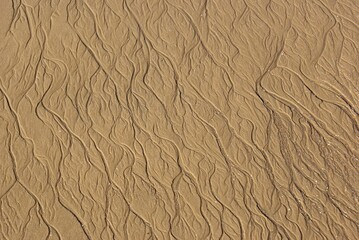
point(179, 119)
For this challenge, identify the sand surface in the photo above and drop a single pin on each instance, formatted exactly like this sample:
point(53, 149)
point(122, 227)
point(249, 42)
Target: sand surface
point(179, 119)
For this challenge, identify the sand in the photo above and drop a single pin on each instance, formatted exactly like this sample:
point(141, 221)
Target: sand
point(173, 119)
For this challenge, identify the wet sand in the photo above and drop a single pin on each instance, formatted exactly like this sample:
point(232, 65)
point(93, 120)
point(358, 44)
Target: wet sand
point(208, 119)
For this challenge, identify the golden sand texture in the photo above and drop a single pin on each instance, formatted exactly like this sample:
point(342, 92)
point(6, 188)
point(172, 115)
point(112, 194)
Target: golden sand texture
point(179, 119)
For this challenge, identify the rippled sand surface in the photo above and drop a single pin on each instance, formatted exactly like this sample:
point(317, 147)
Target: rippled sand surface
point(179, 119)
